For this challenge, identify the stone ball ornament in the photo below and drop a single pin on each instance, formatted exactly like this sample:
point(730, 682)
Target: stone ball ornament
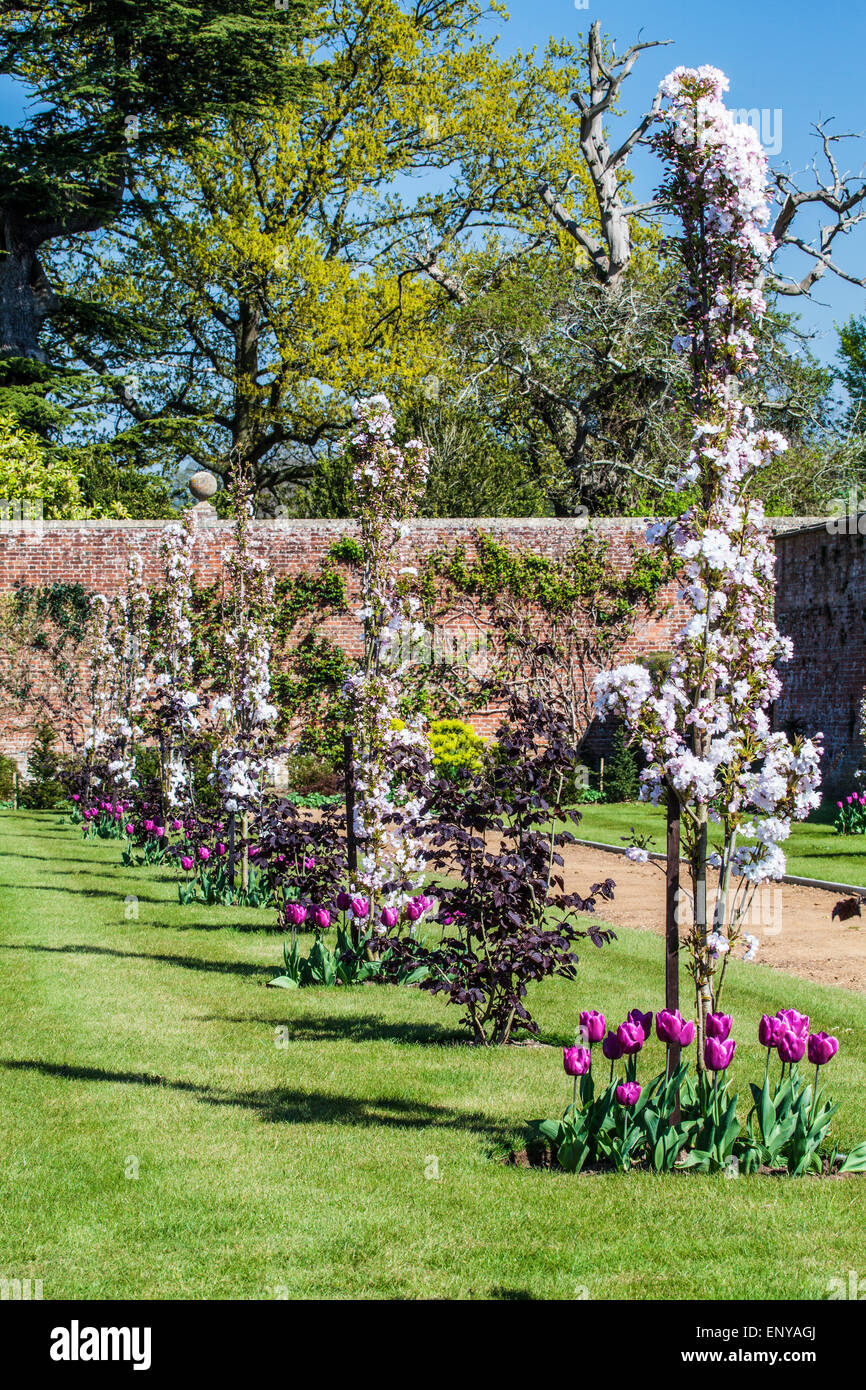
point(203, 485)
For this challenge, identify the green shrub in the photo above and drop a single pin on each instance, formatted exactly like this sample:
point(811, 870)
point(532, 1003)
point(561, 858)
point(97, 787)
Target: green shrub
point(312, 776)
point(457, 750)
point(7, 779)
point(44, 789)
point(621, 781)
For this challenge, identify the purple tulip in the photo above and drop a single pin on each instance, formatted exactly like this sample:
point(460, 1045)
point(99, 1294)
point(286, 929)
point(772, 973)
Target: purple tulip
point(414, 910)
point(611, 1047)
point(186, 863)
point(204, 853)
point(76, 796)
point(221, 849)
point(148, 825)
point(643, 1021)
point(670, 1028)
point(822, 1048)
point(628, 1093)
point(770, 1031)
point(296, 913)
point(795, 1023)
point(718, 1053)
point(791, 1048)
point(177, 825)
point(344, 902)
point(592, 1025)
point(576, 1060)
point(390, 916)
point(631, 1037)
point(322, 918)
point(360, 907)
point(159, 831)
point(309, 863)
point(718, 1026)
point(130, 829)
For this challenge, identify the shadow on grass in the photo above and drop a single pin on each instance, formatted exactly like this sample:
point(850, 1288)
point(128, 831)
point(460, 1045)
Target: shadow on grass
point(93, 864)
point(278, 1105)
point(218, 967)
point(356, 1028)
point(83, 892)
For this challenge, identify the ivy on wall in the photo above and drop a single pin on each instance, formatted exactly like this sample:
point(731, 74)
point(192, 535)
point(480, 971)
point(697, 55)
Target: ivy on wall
point(548, 623)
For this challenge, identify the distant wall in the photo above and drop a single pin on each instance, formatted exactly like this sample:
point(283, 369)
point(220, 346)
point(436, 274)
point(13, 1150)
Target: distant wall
point(821, 606)
point(821, 598)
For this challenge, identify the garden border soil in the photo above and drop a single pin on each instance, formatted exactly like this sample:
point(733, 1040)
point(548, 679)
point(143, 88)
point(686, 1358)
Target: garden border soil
point(806, 942)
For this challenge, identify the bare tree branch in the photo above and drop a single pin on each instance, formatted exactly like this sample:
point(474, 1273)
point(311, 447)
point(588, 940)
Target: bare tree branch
point(842, 194)
point(611, 254)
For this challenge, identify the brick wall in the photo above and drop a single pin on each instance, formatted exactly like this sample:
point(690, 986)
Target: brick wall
point(822, 685)
point(821, 605)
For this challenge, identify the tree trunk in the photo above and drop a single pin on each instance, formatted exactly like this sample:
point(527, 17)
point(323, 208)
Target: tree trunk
point(26, 298)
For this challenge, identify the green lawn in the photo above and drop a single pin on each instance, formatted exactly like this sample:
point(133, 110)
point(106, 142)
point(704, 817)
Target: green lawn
point(151, 1045)
point(814, 850)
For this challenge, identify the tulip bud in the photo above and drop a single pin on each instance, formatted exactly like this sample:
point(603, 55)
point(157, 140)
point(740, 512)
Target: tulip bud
point(643, 1021)
point(795, 1023)
point(628, 1093)
point(592, 1025)
point(718, 1026)
point(718, 1053)
point(822, 1048)
point(631, 1037)
point(576, 1060)
point(769, 1031)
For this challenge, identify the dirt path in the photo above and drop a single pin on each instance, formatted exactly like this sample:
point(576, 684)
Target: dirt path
point(792, 923)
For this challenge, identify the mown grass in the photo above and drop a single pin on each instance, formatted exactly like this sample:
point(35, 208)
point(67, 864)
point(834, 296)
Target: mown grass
point(814, 850)
point(345, 1142)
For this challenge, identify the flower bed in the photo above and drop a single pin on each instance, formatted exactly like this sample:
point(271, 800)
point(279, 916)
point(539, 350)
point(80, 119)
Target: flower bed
point(676, 1122)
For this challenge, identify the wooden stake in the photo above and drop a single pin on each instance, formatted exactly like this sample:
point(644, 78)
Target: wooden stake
point(351, 842)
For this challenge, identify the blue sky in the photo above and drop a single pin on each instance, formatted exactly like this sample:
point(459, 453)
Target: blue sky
point(805, 60)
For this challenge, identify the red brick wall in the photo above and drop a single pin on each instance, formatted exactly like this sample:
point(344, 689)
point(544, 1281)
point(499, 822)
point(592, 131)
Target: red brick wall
point(821, 605)
point(94, 553)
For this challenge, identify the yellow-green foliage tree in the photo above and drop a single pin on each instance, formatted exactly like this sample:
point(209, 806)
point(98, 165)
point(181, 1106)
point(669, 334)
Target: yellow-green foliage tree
point(28, 475)
point(296, 260)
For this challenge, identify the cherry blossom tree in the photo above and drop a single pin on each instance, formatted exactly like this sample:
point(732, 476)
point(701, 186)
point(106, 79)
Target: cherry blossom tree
point(120, 682)
point(246, 716)
point(704, 724)
point(392, 755)
point(174, 681)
